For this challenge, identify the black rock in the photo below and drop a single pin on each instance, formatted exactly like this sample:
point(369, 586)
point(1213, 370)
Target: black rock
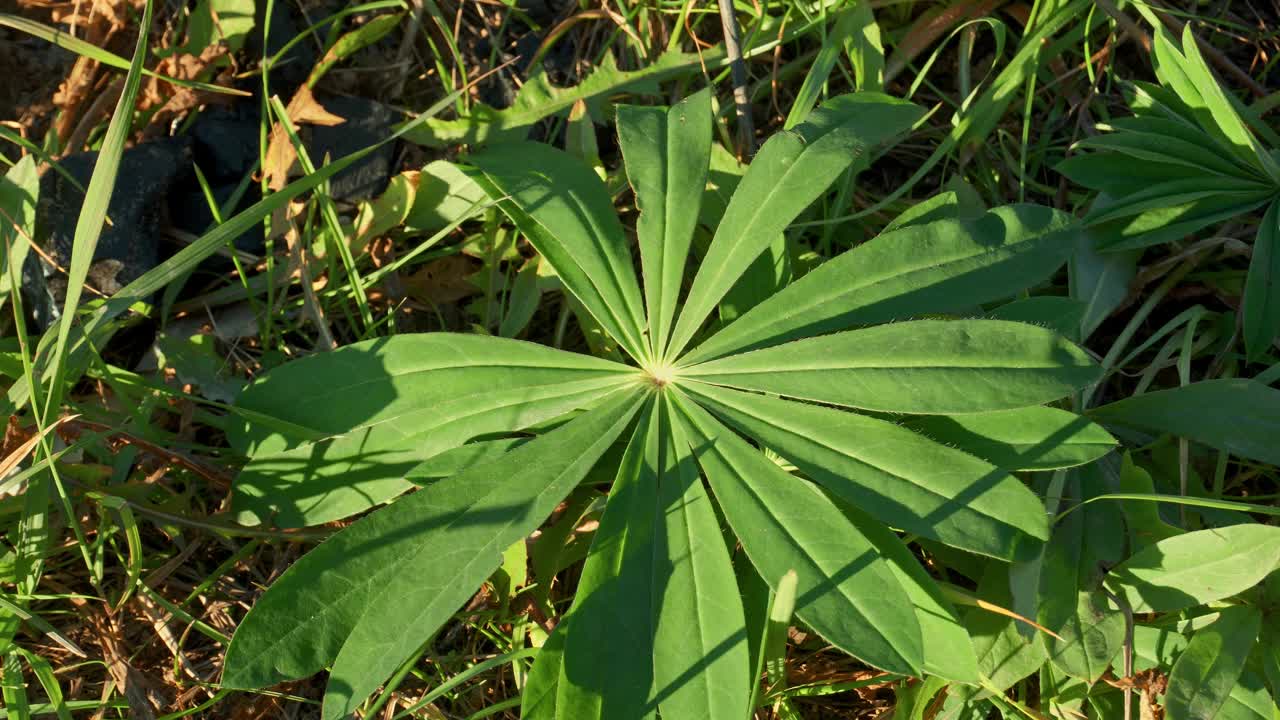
point(128, 247)
point(367, 122)
point(226, 141)
point(189, 212)
point(292, 69)
point(226, 144)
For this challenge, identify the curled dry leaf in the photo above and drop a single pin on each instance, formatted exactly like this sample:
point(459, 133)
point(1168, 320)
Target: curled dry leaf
point(303, 109)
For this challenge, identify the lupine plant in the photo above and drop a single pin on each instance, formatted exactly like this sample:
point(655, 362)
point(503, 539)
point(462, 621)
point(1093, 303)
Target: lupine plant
point(777, 437)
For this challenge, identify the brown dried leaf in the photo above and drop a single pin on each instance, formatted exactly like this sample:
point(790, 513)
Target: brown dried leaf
point(446, 280)
point(303, 109)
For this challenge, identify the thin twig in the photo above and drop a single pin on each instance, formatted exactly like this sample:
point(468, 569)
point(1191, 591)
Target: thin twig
point(746, 130)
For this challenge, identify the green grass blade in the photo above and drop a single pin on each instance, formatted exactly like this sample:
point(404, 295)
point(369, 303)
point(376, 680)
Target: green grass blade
point(106, 57)
point(94, 210)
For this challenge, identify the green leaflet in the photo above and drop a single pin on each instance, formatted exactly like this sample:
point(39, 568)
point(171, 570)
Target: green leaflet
point(1159, 141)
point(562, 207)
point(370, 596)
point(451, 462)
point(901, 478)
point(948, 651)
point(1062, 315)
point(607, 668)
point(1100, 281)
point(1117, 175)
point(1070, 602)
point(538, 699)
point(1206, 672)
point(914, 367)
point(768, 273)
point(667, 154)
point(941, 266)
point(1238, 416)
point(1262, 288)
point(1197, 567)
point(1005, 655)
point(700, 654)
point(1179, 192)
point(1031, 438)
point(386, 405)
point(1189, 76)
point(847, 592)
point(792, 169)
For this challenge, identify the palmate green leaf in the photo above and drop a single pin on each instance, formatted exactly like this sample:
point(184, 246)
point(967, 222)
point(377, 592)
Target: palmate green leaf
point(790, 172)
point(370, 596)
point(700, 651)
point(667, 154)
point(936, 267)
point(1262, 288)
point(1239, 416)
point(1206, 672)
point(1197, 567)
point(894, 474)
point(562, 207)
point(1032, 438)
point(914, 367)
point(386, 405)
point(607, 668)
point(847, 592)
